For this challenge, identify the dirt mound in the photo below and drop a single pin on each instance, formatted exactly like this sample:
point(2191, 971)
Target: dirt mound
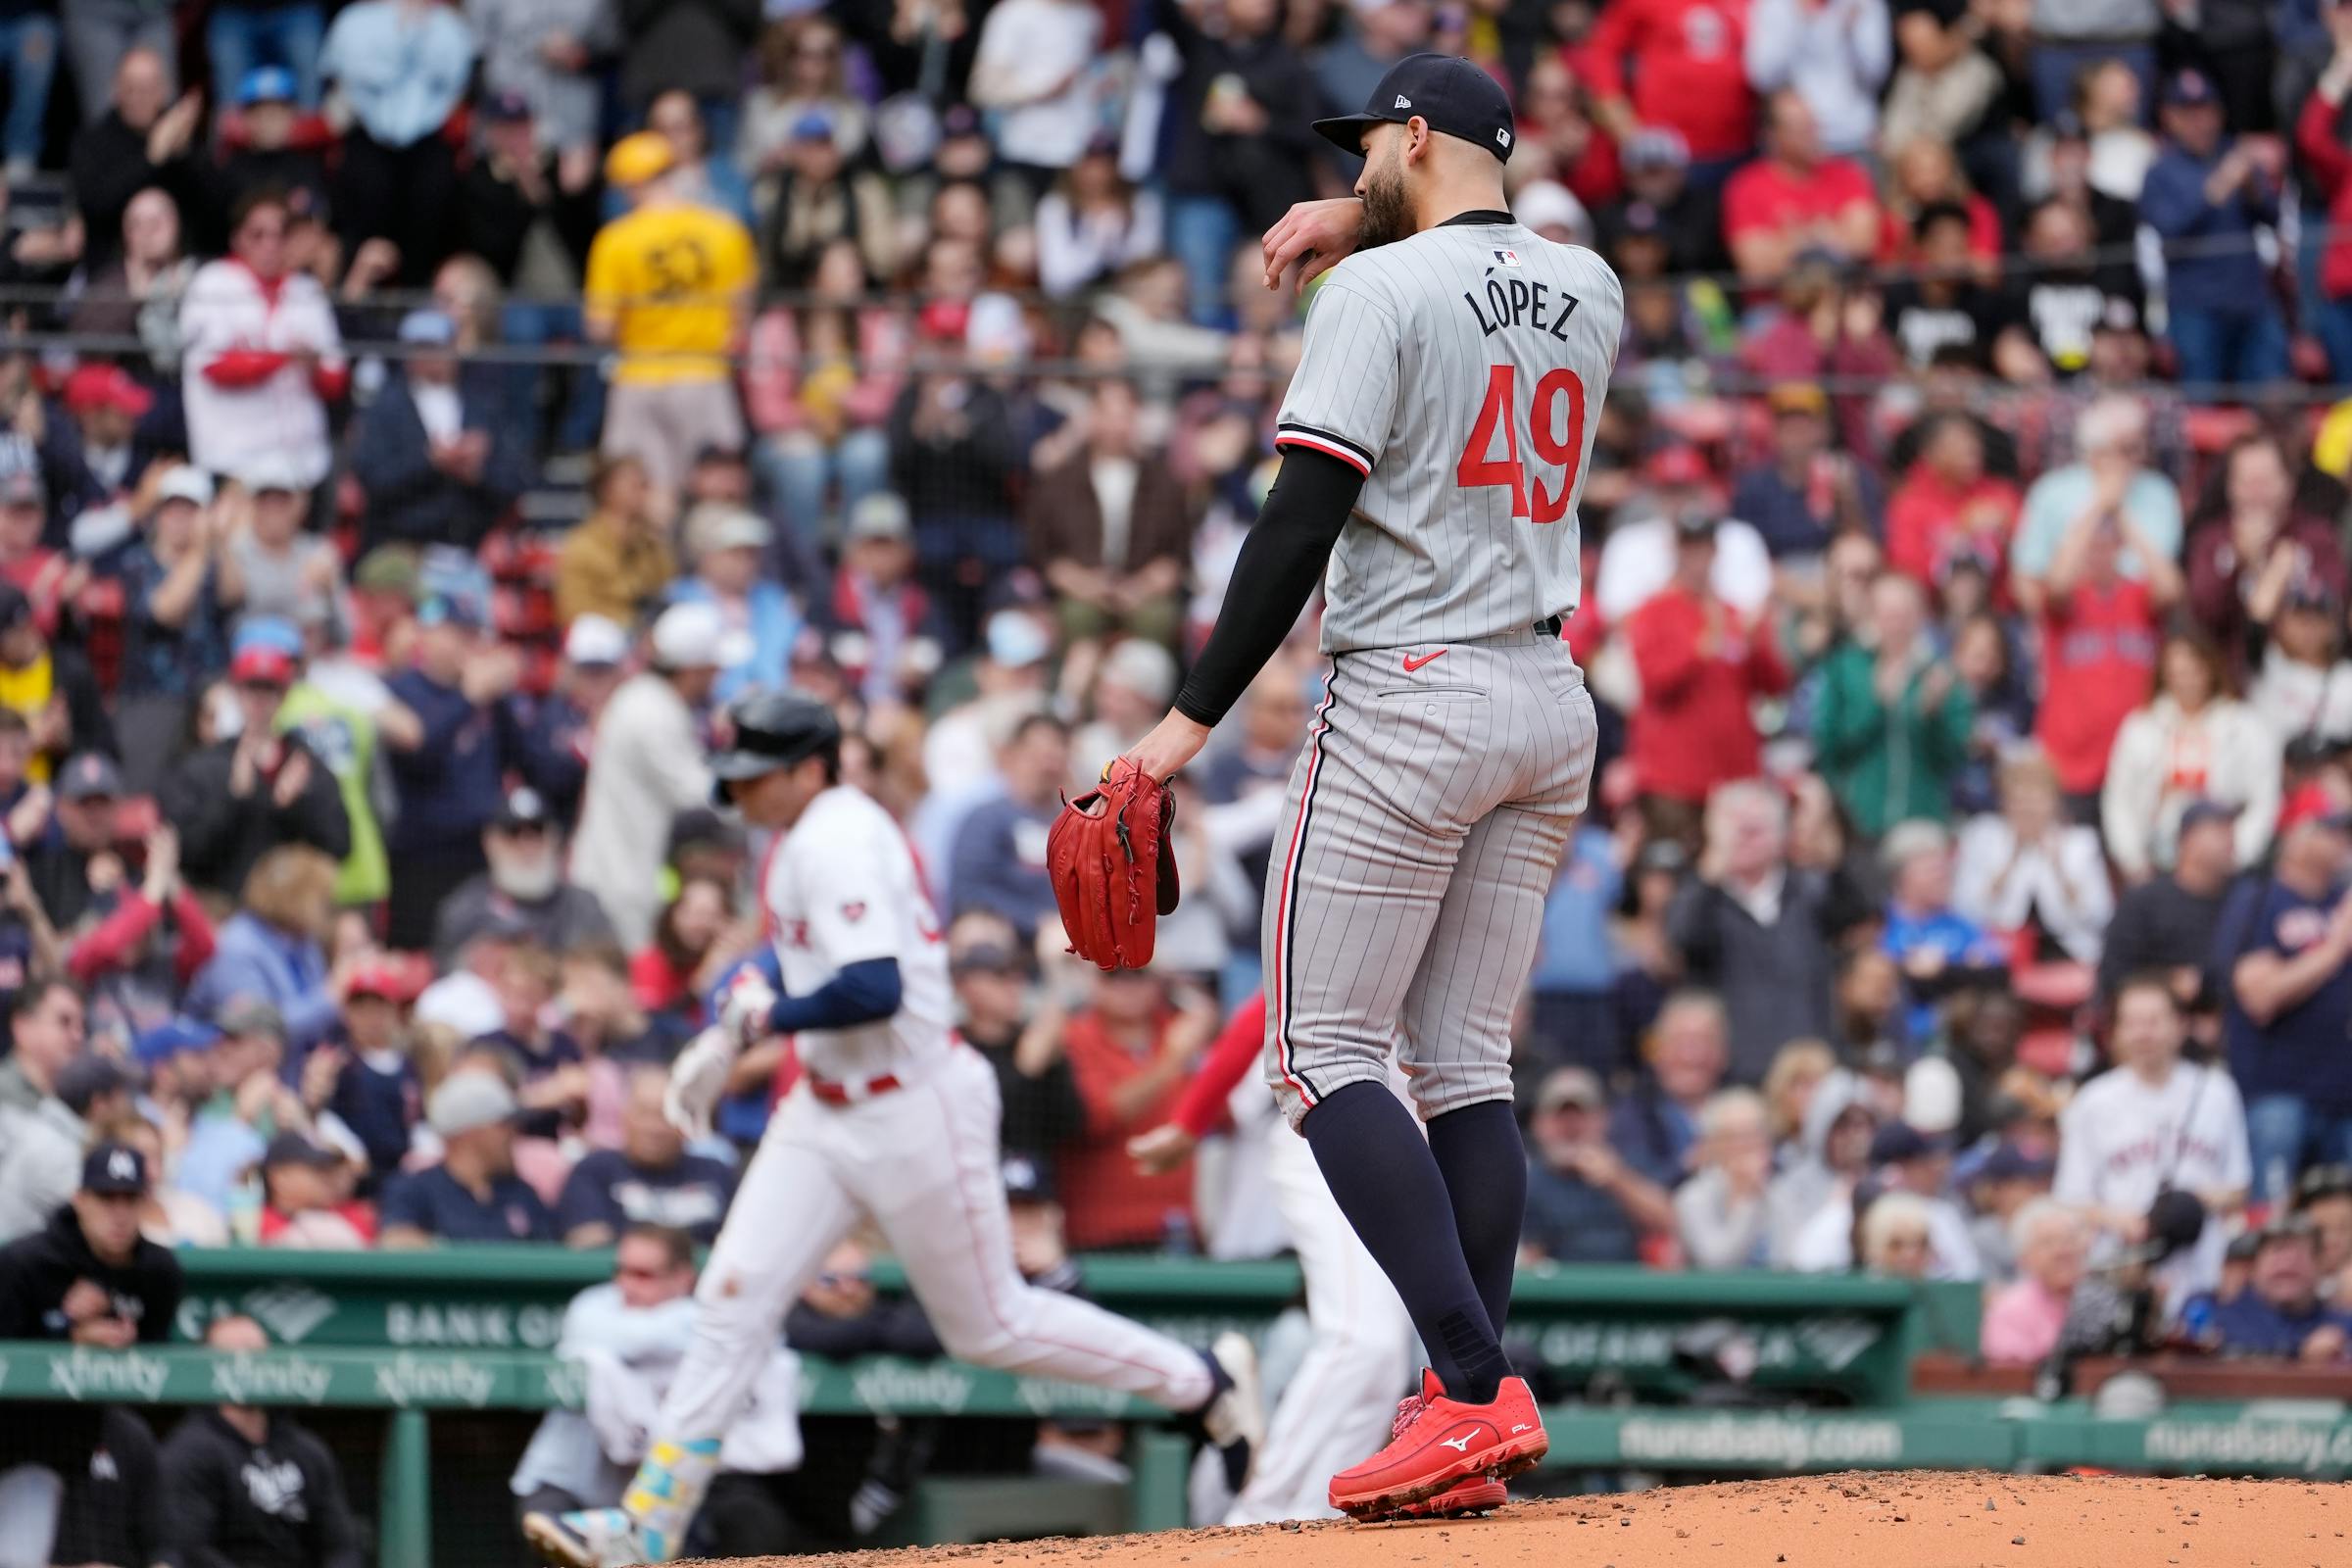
point(1918, 1519)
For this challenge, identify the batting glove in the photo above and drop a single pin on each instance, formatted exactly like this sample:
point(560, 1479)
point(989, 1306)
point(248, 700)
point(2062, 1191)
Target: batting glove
point(697, 1079)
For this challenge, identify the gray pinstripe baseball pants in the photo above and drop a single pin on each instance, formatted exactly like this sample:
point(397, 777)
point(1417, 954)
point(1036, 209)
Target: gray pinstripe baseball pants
point(1425, 815)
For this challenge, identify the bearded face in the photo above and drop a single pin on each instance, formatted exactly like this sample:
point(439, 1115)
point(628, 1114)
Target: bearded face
point(1388, 206)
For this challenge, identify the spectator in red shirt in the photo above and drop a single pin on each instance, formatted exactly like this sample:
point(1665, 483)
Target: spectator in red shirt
point(1947, 505)
point(2099, 643)
point(1554, 125)
point(1793, 199)
point(1678, 63)
point(1130, 1052)
point(1701, 663)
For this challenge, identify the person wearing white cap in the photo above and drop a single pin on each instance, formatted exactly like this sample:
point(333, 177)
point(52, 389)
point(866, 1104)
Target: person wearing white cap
point(472, 1195)
point(878, 623)
point(285, 571)
point(647, 766)
point(1132, 690)
point(554, 731)
point(1553, 211)
point(729, 544)
point(177, 586)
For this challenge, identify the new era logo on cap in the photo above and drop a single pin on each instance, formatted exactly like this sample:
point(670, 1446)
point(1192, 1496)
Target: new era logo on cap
point(1456, 96)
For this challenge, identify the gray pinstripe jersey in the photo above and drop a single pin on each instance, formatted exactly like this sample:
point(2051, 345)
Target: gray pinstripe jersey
point(1462, 371)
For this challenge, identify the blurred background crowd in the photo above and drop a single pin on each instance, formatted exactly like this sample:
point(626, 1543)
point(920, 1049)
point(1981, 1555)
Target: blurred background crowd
point(420, 418)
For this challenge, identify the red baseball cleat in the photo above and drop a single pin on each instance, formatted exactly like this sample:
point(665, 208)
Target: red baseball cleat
point(1477, 1495)
point(1437, 1440)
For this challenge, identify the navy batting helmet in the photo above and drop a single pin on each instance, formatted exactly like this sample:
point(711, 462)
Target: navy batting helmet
point(773, 729)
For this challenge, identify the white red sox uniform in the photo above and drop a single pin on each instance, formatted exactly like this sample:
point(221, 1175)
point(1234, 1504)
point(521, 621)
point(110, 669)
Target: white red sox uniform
point(2123, 1140)
point(903, 1132)
point(1463, 372)
point(280, 417)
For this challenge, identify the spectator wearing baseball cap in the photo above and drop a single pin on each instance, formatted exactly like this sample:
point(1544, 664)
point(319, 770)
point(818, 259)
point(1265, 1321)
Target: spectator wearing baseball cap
point(94, 457)
point(2283, 957)
point(178, 588)
point(137, 939)
point(452, 781)
point(270, 143)
point(523, 886)
point(87, 1276)
point(646, 766)
point(256, 789)
point(728, 545)
point(25, 551)
point(2215, 191)
point(377, 1093)
point(436, 452)
point(672, 390)
point(90, 1280)
point(471, 1193)
point(1584, 1204)
point(1802, 493)
point(282, 569)
point(879, 624)
point(1637, 559)
point(553, 729)
point(307, 1198)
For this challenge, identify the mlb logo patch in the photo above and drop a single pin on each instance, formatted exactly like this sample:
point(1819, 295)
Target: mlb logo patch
point(1503, 137)
point(1507, 258)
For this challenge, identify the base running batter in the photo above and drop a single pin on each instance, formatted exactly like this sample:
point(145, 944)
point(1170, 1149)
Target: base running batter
point(1435, 439)
point(893, 1120)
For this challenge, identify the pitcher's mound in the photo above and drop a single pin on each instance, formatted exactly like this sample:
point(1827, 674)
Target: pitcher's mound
point(1918, 1519)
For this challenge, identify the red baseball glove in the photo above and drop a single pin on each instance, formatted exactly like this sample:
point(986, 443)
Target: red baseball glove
point(1114, 867)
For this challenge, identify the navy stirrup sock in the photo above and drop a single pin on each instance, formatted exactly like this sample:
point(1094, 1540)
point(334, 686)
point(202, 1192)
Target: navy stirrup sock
point(1389, 1186)
point(1485, 1166)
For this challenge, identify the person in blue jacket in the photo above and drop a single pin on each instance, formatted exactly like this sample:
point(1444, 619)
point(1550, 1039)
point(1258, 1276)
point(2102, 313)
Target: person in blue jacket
point(2205, 196)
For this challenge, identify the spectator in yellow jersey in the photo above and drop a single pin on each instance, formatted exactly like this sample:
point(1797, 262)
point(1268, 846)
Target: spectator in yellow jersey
point(670, 285)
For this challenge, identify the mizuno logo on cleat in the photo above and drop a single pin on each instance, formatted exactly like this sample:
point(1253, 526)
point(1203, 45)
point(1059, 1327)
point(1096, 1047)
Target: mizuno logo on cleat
point(1460, 1445)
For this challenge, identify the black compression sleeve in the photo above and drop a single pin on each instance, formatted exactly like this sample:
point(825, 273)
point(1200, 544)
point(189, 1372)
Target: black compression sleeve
point(1279, 566)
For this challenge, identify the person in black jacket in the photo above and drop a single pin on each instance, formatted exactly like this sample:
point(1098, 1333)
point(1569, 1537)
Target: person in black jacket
point(144, 138)
point(112, 1510)
point(1760, 931)
point(439, 459)
point(513, 188)
point(1242, 151)
point(243, 796)
point(89, 1279)
point(245, 1488)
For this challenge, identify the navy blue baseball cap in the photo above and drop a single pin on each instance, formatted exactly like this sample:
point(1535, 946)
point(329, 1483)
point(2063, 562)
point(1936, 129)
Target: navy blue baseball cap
point(1454, 95)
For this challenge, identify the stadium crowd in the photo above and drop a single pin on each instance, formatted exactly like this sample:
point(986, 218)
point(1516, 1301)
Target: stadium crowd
point(420, 418)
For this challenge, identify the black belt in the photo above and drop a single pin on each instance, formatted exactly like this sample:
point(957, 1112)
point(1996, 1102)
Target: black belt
point(1549, 625)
